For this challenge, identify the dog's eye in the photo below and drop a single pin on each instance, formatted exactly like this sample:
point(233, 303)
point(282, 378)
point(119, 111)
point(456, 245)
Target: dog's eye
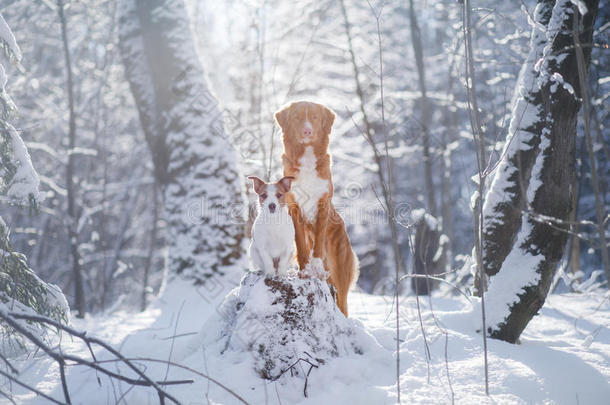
point(264, 195)
point(279, 195)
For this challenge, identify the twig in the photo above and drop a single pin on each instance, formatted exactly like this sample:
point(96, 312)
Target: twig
point(477, 132)
point(426, 276)
point(8, 364)
point(30, 388)
point(436, 321)
point(171, 349)
point(389, 199)
point(551, 221)
point(218, 383)
point(7, 396)
point(419, 317)
point(64, 383)
point(291, 368)
point(60, 358)
point(205, 365)
point(447, 367)
point(277, 393)
point(311, 366)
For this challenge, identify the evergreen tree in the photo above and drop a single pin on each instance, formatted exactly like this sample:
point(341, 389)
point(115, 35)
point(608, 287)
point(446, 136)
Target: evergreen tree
point(183, 125)
point(20, 288)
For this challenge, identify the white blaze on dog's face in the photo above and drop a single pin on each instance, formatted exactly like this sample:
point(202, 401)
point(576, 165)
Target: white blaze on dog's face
point(308, 131)
point(305, 121)
point(271, 196)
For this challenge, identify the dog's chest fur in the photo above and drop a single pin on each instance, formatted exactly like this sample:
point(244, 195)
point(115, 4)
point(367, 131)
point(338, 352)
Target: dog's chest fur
point(308, 187)
point(273, 233)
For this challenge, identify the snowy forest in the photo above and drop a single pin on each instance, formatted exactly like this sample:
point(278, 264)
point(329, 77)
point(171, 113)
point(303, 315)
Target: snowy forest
point(304, 202)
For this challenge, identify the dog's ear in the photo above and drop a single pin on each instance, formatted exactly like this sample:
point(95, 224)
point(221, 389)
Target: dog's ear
point(328, 119)
point(259, 185)
point(285, 183)
point(282, 117)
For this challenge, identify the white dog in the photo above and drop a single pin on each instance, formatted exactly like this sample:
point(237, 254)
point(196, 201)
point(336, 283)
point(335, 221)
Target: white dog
point(272, 247)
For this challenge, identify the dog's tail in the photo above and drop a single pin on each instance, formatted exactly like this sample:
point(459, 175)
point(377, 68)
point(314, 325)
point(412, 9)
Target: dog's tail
point(355, 272)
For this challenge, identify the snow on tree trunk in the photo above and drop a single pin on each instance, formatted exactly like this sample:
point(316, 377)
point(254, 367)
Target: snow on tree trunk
point(281, 320)
point(522, 241)
point(194, 162)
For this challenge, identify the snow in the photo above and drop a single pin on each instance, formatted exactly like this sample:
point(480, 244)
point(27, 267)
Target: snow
point(420, 214)
point(21, 186)
point(529, 130)
point(543, 66)
point(3, 77)
point(25, 182)
point(524, 116)
point(7, 36)
point(315, 268)
point(520, 268)
point(557, 80)
point(270, 320)
point(518, 271)
point(54, 299)
point(563, 358)
point(582, 7)
point(535, 72)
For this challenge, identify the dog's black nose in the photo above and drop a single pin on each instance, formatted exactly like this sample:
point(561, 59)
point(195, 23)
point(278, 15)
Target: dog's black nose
point(272, 207)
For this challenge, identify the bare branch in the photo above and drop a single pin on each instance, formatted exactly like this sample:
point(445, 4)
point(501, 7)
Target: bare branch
point(30, 388)
point(475, 123)
point(426, 276)
point(8, 364)
point(218, 383)
point(60, 358)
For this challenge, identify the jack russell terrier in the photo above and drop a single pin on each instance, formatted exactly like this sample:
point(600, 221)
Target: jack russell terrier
point(272, 247)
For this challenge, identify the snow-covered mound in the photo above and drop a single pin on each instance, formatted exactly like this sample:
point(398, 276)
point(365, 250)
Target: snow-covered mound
point(282, 320)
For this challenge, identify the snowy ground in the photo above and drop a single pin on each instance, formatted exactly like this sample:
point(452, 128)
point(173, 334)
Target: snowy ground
point(563, 358)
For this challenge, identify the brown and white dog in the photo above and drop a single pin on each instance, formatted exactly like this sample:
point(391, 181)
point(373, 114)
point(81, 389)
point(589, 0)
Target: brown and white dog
point(320, 233)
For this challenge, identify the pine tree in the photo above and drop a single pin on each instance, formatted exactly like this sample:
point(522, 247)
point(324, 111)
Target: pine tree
point(20, 288)
point(183, 125)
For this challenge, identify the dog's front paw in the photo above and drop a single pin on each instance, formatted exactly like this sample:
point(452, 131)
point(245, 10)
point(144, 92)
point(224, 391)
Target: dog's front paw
point(315, 268)
point(283, 272)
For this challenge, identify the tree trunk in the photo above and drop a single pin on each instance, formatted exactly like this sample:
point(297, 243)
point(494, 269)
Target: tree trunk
point(150, 257)
point(599, 203)
point(79, 295)
point(425, 110)
point(574, 241)
point(195, 164)
point(528, 203)
point(429, 251)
